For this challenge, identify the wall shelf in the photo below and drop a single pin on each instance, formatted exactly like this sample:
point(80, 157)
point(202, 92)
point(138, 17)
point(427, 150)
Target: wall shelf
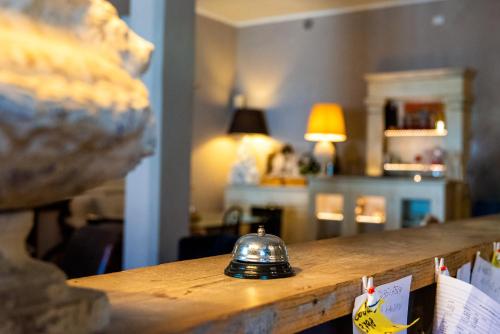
point(414, 167)
point(416, 133)
point(430, 107)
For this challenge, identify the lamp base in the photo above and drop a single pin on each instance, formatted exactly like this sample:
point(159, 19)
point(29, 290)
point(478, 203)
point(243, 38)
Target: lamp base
point(324, 152)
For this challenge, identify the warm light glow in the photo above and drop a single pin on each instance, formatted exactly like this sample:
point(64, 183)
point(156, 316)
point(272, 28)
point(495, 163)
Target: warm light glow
point(370, 209)
point(324, 137)
point(329, 207)
point(415, 167)
point(260, 143)
point(208, 173)
point(326, 123)
point(260, 146)
point(330, 216)
point(239, 101)
point(51, 64)
point(262, 84)
point(440, 127)
point(417, 178)
point(416, 132)
point(252, 295)
point(370, 219)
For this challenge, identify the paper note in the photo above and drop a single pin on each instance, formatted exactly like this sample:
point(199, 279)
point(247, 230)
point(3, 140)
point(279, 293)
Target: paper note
point(464, 272)
point(374, 321)
point(495, 260)
point(486, 278)
point(462, 308)
point(396, 296)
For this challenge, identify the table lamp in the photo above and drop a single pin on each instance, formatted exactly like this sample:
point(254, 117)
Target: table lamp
point(246, 121)
point(326, 125)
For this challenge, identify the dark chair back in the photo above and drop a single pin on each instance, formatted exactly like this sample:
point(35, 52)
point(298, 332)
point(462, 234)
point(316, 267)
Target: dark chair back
point(484, 208)
point(231, 220)
point(199, 246)
point(93, 250)
point(270, 218)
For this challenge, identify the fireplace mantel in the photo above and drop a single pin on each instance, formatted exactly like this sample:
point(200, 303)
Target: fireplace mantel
point(195, 296)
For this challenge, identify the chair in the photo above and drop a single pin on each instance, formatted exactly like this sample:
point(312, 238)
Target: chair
point(483, 208)
point(93, 250)
point(231, 220)
point(198, 246)
point(270, 218)
point(220, 241)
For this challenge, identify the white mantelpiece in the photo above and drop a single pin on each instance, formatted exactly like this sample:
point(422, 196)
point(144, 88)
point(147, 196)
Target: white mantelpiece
point(452, 87)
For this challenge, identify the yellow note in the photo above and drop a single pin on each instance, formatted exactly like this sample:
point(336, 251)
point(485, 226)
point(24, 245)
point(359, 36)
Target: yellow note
point(375, 322)
point(496, 259)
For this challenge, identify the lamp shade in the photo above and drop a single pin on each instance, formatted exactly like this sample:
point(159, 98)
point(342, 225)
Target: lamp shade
point(326, 123)
point(248, 121)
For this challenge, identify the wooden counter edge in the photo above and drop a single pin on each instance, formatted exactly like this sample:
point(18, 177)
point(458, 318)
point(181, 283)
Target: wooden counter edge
point(314, 307)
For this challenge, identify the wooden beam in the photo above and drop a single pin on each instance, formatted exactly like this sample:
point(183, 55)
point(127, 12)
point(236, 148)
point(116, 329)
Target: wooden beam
point(195, 296)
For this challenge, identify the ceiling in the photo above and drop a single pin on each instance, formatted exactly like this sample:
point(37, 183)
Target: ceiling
point(248, 12)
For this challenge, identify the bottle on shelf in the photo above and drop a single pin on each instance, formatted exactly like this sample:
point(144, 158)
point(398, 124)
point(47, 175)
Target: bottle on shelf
point(391, 115)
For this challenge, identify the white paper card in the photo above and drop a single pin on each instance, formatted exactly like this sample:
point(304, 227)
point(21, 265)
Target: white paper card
point(486, 278)
point(462, 308)
point(464, 272)
point(396, 296)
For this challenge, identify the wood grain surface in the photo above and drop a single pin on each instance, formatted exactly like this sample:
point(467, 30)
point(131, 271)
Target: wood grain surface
point(195, 296)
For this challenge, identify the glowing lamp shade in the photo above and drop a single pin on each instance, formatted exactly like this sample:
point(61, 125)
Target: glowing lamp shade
point(326, 123)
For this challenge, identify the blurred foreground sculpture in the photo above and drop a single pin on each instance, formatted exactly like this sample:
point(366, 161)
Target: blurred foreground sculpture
point(73, 113)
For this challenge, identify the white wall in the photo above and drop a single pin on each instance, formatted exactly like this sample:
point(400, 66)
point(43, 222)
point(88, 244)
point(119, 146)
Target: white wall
point(157, 192)
point(142, 216)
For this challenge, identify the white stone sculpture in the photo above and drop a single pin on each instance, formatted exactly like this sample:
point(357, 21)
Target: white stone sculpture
point(73, 113)
point(244, 170)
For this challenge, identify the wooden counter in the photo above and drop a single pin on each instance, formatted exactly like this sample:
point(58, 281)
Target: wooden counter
point(195, 296)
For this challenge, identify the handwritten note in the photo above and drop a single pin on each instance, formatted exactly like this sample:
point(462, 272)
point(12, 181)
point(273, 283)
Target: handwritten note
point(462, 308)
point(396, 296)
point(371, 320)
point(486, 278)
point(464, 272)
point(495, 260)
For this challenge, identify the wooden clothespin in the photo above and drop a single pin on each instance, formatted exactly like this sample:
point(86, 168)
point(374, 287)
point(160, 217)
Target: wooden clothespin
point(495, 259)
point(440, 268)
point(369, 288)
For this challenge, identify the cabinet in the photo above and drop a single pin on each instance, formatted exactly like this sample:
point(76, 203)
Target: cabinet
point(448, 88)
point(294, 200)
point(348, 205)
